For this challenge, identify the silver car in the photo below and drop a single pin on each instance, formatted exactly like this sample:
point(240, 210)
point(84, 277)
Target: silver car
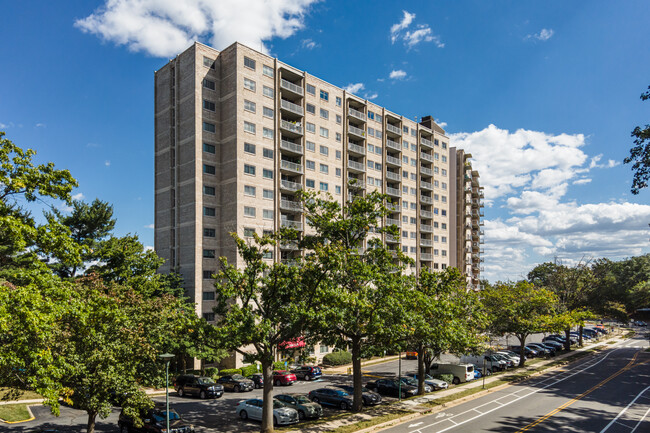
point(436, 384)
point(253, 409)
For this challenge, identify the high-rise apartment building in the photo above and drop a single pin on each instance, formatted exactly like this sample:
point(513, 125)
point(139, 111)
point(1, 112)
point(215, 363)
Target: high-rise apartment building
point(238, 133)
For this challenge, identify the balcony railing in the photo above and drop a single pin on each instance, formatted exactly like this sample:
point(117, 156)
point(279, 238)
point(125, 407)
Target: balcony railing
point(393, 160)
point(393, 129)
point(291, 224)
point(392, 239)
point(358, 114)
point(289, 185)
point(426, 171)
point(393, 191)
point(393, 145)
point(425, 199)
point(426, 256)
point(425, 142)
point(394, 207)
point(290, 106)
point(356, 183)
point(289, 245)
point(291, 205)
point(356, 166)
point(426, 185)
point(291, 147)
point(393, 176)
point(293, 127)
point(290, 86)
point(426, 214)
point(426, 242)
point(355, 148)
point(426, 157)
point(424, 228)
point(291, 166)
point(356, 131)
point(392, 221)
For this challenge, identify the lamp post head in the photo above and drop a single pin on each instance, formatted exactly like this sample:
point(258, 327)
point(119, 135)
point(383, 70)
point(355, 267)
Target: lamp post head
point(166, 357)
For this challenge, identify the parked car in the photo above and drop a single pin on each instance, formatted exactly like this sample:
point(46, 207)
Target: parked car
point(236, 383)
point(370, 398)
point(203, 387)
point(300, 402)
point(258, 380)
point(411, 355)
point(392, 387)
point(154, 421)
point(590, 332)
point(554, 344)
point(307, 372)
point(640, 323)
point(577, 336)
point(478, 371)
point(509, 361)
point(436, 384)
point(332, 397)
point(410, 381)
point(549, 350)
point(282, 377)
point(514, 357)
point(252, 409)
point(528, 351)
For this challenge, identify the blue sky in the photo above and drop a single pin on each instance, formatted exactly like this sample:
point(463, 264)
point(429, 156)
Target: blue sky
point(543, 94)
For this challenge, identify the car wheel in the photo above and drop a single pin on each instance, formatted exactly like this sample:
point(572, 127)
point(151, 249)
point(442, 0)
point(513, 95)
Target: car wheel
point(236, 388)
point(181, 392)
point(258, 386)
point(343, 405)
point(202, 395)
point(456, 381)
point(243, 414)
point(301, 415)
point(307, 378)
point(278, 383)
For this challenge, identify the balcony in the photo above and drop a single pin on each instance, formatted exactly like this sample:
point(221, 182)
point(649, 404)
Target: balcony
point(426, 214)
point(395, 192)
point(393, 222)
point(291, 107)
point(293, 127)
point(297, 225)
point(393, 207)
point(426, 185)
point(356, 131)
point(356, 166)
point(393, 145)
point(425, 199)
point(426, 171)
point(392, 239)
point(291, 87)
point(355, 148)
point(426, 256)
point(393, 176)
point(426, 242)
point(290, 166)
point(393, 161)
point(289, 245)
point(394, 129)
point(425, 142)
point(288, 185)
point(356, 114)
point(426, 157)
point(424, 228)
point(356, 183)
point(290, 147)
point(291, 205)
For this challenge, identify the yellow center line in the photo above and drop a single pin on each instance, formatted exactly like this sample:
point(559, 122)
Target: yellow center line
point(584, 394)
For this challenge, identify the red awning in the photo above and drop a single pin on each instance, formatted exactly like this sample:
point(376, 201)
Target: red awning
point(293, 344)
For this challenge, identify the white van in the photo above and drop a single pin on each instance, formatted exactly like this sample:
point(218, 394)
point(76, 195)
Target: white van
point(461, 372)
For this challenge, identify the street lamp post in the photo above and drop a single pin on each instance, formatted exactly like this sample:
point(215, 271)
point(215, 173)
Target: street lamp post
point(166, 357)
point(399, 382)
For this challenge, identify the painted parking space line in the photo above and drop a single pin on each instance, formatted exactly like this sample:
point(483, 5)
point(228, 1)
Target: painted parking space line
point(621, 413)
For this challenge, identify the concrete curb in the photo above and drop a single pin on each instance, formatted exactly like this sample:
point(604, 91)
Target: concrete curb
point(31, 415)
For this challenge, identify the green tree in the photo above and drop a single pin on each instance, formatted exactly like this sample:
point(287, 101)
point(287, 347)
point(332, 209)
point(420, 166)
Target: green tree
point(520, 309)
point(364, 296)
point(640, 154)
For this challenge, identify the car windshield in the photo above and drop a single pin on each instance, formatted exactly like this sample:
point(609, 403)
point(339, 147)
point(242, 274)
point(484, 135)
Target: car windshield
point(341, 392)
point(277, 404)
point(237, 377)
point(302, 399)
point(160, 416)
point(410, 381)
point(205, 381)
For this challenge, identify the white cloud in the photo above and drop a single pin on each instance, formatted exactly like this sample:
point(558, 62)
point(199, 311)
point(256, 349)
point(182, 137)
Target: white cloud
point(421, 33)
point(107, 163)
point(78, 196)
point(371, 96)
point(164, 28)
point(441, 124)
point(543, 35)
point(397, 75)
point(149, 226)
point(354, 88)
point(309, 44)
point(582, 181)
point(40, 125)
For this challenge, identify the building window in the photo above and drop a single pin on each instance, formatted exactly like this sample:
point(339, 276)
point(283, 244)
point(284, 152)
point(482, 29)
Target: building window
point(413, 220)
point(208, 190)
point(267, 112)
point(444, 238)
point(443, 253)
point(267, 153)
point(209, 233)
point(310, 183)
point(268, 194)
point(249, 190)
point(444, 158)
point(249, 211)
point(267, 214)
point(249, 63)
point(338, 189)
point(267, 174)
point(249, 84)
point(209, 84)
point(405, 204)
point(338, 172)
point(268, 71)
point(414, 176)
point(324, 113)
point(377, 166)
point(249, 127)
point(268, 92)
point(310, 127)
point(323, 186)
point(209, 148)
point(443, 212)
point(444, 145)
point(249, 169)
point(208, 62)
point(405, 249)
point(268, 255)
point(444, 225)
point(444, 199)
point(311, 109)
point(338, 101)
point(339, 119)
point(444, 185)
point(207, 274)
point(405, 174)
point(249, 148)
point(324, 349)
point(268, 133)
point(209, 169)
point(405, 129)
point(311, 90)
point(371, 115)
point(324, 95)
point(249, 106)
point(324, 168)
point(310, 165)
point(405, 189)
point(311, 146)
point(208, 296)
point(413, 162)
point(324, 150)
point(324, 132)
point(414, 147)
point(413, 191)
point(249, 232)
point(338, 137)
point(405, 159)
point(209, 211)
point(378, 117)
point(209, 127)
point(209, 317)
point(338, 154)
point(413, 206)
point(209, 105)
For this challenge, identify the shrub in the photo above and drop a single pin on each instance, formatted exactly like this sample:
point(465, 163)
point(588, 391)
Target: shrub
point(337, 358)
point(248, 370)
point(212, 372)
point(230, 371)
point(279, 365)
point(446, 377)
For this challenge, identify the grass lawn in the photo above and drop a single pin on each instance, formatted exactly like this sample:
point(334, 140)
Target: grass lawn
point(14, 412)
point(17, 394)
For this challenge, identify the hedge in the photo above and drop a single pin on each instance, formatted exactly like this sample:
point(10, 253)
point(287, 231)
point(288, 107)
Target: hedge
point(212, 372)
point(279, 365)
point(230, 371)
point(249, 369)
point(449, 378)
point(337, 358)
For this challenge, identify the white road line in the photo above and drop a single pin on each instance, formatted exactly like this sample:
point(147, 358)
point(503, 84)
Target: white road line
point(593, 364)
point(625, 410)
point(640, 421)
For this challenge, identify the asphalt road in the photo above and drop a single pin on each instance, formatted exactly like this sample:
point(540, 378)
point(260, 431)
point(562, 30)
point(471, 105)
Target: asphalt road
point(606, 393)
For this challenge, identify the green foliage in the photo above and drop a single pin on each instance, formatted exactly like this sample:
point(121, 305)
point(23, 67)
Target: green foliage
point(279, 365)
point(212, 372)
point(249, 369)
point(449, 378)
point(640, 154)
point(230, 371)
point(337, 358)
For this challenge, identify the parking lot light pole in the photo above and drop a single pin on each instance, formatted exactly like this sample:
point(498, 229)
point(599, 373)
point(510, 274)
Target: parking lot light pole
point(399, 381)
point(166, 357)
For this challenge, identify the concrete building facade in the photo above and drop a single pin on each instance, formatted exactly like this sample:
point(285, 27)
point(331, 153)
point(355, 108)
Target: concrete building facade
point(238, 133)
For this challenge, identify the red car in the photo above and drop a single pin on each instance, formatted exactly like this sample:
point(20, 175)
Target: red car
point(283, 377)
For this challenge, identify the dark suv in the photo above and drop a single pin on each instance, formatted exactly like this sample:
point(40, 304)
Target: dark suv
point(307, 372)
point(155, 420)
point(202, 387)
point(236, 383)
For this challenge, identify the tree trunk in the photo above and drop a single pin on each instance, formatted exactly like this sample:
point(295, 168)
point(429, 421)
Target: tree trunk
point(91, 422)
point(421, 369)
point(267, 395)
point(522, 351)
point(357, 402)
point(567, 338)
point(580, 332)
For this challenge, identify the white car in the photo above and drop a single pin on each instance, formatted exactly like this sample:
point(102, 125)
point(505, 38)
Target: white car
point(436, 384)
point(511, 355)
point(252, 409)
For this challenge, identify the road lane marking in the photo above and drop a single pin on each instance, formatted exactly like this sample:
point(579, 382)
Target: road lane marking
point(625, 410)
point(640, 421)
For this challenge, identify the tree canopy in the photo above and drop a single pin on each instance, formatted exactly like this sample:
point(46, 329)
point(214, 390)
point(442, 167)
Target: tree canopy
point(640, 154)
